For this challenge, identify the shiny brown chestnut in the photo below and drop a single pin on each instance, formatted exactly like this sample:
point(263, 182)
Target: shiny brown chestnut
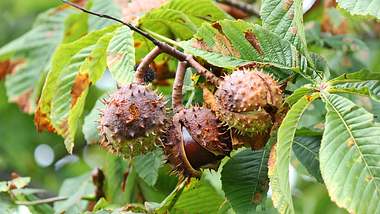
point(195, 140)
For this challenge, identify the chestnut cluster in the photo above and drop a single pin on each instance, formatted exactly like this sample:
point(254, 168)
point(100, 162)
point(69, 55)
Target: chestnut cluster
point(135, 120)
point(244, 107)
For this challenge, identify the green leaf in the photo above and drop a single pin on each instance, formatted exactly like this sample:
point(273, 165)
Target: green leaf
point(230, 44)
point(76, 26)
point(285, 18)
point(90, 126)
point(63, 99)
point(121, 56)
point(74, 189)
point(75, 67)
point(90, 72)
point(201, 197)
point(245, 179)
point(196, 196)
point(180, 18)
point(199, 13)
point(298, 94)
point(109, 7)
point(321, 66)
point(366, 88)
point(31, 55)
point(147, 166)
point(350, 155)
point(359, 76)
point(168, 22)
point(306, 150)
point(306, 132)
point(361, 7)
point(7, 206)
point(346, 43)
point(176, 19)
point(114, 168)
point(280, 156)
point(363, 82)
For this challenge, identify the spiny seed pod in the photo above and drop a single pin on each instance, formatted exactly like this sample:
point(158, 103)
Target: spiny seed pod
point(244, 99)
point(195, 140)
point(133, 117)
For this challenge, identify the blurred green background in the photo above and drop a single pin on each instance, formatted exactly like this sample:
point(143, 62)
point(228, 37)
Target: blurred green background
point(23, 150)
point(43, 157)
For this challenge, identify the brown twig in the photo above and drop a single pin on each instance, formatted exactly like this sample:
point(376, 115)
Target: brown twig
point(160, 46)
point(246, 7)
point(42, 201)
point(203, 71)
point(177, 86)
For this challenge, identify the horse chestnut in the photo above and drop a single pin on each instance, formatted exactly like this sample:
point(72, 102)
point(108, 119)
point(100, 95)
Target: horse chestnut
point(195, 140)
point(246, 99)
point(133, 117)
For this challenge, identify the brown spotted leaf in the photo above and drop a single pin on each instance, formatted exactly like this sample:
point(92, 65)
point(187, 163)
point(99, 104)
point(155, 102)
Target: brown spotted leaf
point(76, 66)
point(224, 46)
point(42, 122)
point(9, 67)
point(285, 18)
point(81, 83)
point(350, 156)
point(26, 59)
point(231, 44)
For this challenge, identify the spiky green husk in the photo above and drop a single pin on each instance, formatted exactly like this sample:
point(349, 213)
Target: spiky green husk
point(249, 123)
point(133, 117)
point(129, 148)
point(243, 97)
point(248, 90)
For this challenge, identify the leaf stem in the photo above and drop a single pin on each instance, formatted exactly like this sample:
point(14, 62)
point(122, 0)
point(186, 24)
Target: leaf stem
point(162, 38)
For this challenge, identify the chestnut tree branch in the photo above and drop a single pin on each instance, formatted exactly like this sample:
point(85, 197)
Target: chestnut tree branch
point(162, 46)
point(132, 27)
point(177, 86)
point(144, 64)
